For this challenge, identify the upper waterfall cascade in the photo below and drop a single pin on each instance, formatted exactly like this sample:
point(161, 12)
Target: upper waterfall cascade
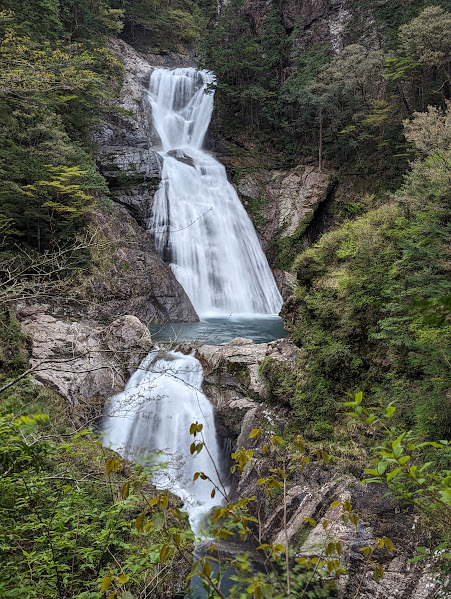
point(198, 223)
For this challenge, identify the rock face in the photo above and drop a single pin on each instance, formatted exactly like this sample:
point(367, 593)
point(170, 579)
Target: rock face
point(284, 201)
point(324, 21)
point(232, 381)
point(134, 280)
point(233, 384)
point(81, 360)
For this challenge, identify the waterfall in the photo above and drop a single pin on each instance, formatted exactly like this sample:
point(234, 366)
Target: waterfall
point(149, 423)
point(202, 230)
point(199, 225)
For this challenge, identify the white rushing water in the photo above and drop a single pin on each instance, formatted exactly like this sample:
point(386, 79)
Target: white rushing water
point(198, 223)
point(202, 230)
point(149, 423)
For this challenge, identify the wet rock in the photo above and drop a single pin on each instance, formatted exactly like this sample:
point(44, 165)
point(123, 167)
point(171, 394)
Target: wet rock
point(129, 121)
point(285, 200)
point(181, 157)
point(128, 340)
point(232, 381)
point(132, 279)
point(119, 163)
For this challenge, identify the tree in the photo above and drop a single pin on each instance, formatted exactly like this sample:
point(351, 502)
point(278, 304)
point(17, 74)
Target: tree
point(59, 202)
point(426, 40)
point(430, 177)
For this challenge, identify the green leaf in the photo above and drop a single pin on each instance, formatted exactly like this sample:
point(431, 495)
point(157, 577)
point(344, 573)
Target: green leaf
point(106, 582)
point(417, 559)
point(310, 521)
point(382, 467)
point(446, 495)
point(392, 475)
point(390, 411)
point(126, 490)
point(158, 520)
point(164, 553)
point(371, 471)
point(139, 522)
point(207, 569)
point(112, 464)
point(256, 432)
point(398, 450)
point(413, 471)
point(389, 544)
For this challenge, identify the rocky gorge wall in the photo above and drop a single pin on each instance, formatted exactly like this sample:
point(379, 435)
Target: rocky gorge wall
point(238, 392)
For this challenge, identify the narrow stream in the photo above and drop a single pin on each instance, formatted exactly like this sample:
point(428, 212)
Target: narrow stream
point(203, 232)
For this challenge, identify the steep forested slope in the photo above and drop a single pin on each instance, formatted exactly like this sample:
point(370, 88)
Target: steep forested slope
point(362, 88)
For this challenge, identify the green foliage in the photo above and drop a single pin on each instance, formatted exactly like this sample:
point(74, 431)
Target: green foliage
point(49, 96)
point(161, 27)
point(68, 505)
point(13, 346)
point(63, 532)
point(354, 320)
point(67, 509)
point(56, 204)
point(281, 86)
point(370, 311)
point(417, 472)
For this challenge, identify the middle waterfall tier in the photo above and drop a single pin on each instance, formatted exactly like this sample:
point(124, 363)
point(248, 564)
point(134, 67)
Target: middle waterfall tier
point(199, 225)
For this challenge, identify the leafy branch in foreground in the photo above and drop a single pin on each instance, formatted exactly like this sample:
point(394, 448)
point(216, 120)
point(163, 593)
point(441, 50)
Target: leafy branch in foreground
point(418, 472)
point(266, 570)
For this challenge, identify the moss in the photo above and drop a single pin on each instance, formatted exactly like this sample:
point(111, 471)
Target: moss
point(14, 346)
point(353, 317)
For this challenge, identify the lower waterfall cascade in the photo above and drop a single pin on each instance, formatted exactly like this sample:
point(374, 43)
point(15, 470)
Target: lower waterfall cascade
point(149, 423)
point(203, 232)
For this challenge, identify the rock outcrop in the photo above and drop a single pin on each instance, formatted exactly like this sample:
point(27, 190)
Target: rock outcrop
point(131, 277)
point(232, 381)
point(134, 279)
point(283, 202)
point(330, 22)
point(83, 361)
point(233, 384)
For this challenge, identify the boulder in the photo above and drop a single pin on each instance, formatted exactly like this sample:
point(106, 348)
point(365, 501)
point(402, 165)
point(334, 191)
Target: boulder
point(81, 360)
point(127, 339)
